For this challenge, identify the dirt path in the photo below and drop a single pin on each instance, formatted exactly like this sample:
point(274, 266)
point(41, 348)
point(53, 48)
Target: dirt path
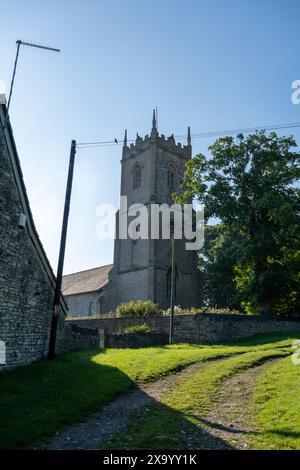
point(116, 416)
point(230, 423)
point(227, 426)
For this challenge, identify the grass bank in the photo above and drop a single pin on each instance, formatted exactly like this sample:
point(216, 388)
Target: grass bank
point(276, 406)
point(182, 412)
point(38, 400)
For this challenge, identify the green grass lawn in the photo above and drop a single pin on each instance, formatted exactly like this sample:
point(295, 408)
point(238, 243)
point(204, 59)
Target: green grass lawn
point(276, 403)
point(184, 409)
point(38, 400)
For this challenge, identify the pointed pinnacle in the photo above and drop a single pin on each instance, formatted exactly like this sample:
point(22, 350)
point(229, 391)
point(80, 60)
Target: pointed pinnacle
point(154, 120)
point(189, 140)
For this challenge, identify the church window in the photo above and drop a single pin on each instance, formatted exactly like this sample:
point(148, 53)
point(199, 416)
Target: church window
point(171, 177)
point(137, 177)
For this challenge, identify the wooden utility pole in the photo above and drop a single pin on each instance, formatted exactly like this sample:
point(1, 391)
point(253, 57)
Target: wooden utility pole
point(61, 258)
point(173, 274)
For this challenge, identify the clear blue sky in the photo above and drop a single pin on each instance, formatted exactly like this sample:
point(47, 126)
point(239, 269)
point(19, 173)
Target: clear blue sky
point(212, 65)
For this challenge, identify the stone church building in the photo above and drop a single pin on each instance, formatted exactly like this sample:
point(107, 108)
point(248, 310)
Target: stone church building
point(151, 170)
point(84, 290)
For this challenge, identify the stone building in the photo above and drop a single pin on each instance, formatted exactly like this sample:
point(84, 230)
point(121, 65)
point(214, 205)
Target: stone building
point(26, 278)
point(83, 291)
point(151, 170)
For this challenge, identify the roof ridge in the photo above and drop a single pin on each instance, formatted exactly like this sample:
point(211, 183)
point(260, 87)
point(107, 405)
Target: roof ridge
point(86, 270)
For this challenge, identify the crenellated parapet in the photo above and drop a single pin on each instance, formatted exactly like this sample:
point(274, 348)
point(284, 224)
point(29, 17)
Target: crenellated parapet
point(165, 143)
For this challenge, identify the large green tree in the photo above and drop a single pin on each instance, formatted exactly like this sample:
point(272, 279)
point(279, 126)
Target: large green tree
point(218, 260)
point(250, 185)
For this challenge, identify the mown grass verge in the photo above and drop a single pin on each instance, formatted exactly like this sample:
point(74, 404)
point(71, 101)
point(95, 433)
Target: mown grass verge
point(38, 400)
point(276, 408)
point(166, 424)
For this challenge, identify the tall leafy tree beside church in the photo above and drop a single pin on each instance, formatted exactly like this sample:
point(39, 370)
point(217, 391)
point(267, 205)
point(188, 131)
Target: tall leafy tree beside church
point(217, 262)
point(250, 185)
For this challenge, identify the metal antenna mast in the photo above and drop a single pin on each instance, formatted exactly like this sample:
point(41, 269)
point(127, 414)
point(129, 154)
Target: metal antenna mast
point(28, 44)
point(68, 192)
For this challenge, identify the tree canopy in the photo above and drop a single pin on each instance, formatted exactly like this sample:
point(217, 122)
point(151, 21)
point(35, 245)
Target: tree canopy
point(249, 184)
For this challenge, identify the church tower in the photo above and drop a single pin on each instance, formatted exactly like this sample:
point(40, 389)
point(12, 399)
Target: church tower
point(152, 169)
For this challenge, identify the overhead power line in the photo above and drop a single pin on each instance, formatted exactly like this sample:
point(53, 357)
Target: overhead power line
point(199, 135)
point(153, 260)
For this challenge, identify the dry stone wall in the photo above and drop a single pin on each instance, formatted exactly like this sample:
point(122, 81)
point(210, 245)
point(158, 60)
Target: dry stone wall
point(199, 328)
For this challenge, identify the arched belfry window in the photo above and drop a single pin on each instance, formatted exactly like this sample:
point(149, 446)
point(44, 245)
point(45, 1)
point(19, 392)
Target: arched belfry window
point(171, 177)
point(137, 176)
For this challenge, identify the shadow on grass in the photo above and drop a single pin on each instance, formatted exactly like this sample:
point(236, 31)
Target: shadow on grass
point(282, 433)
point(262, 338)
point(140, 422)
point(251, 341)
point(38, 400)
point(211, 443)
point(234, 430)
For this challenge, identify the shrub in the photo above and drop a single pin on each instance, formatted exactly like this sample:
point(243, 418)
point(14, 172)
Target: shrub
point(138, 308)
point(222, 311)
point(139, 329)
point(181, 311)
point(193, 310)
point(92, 316)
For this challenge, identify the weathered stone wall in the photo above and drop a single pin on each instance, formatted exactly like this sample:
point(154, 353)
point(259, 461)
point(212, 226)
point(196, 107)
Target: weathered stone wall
point(130, 285)
point(141, 266)
point(200, 328)
point(116, 325)
point(135, 340)
point(214, 327)
point(26, 292)
point(83, 304)
point(72, 337)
